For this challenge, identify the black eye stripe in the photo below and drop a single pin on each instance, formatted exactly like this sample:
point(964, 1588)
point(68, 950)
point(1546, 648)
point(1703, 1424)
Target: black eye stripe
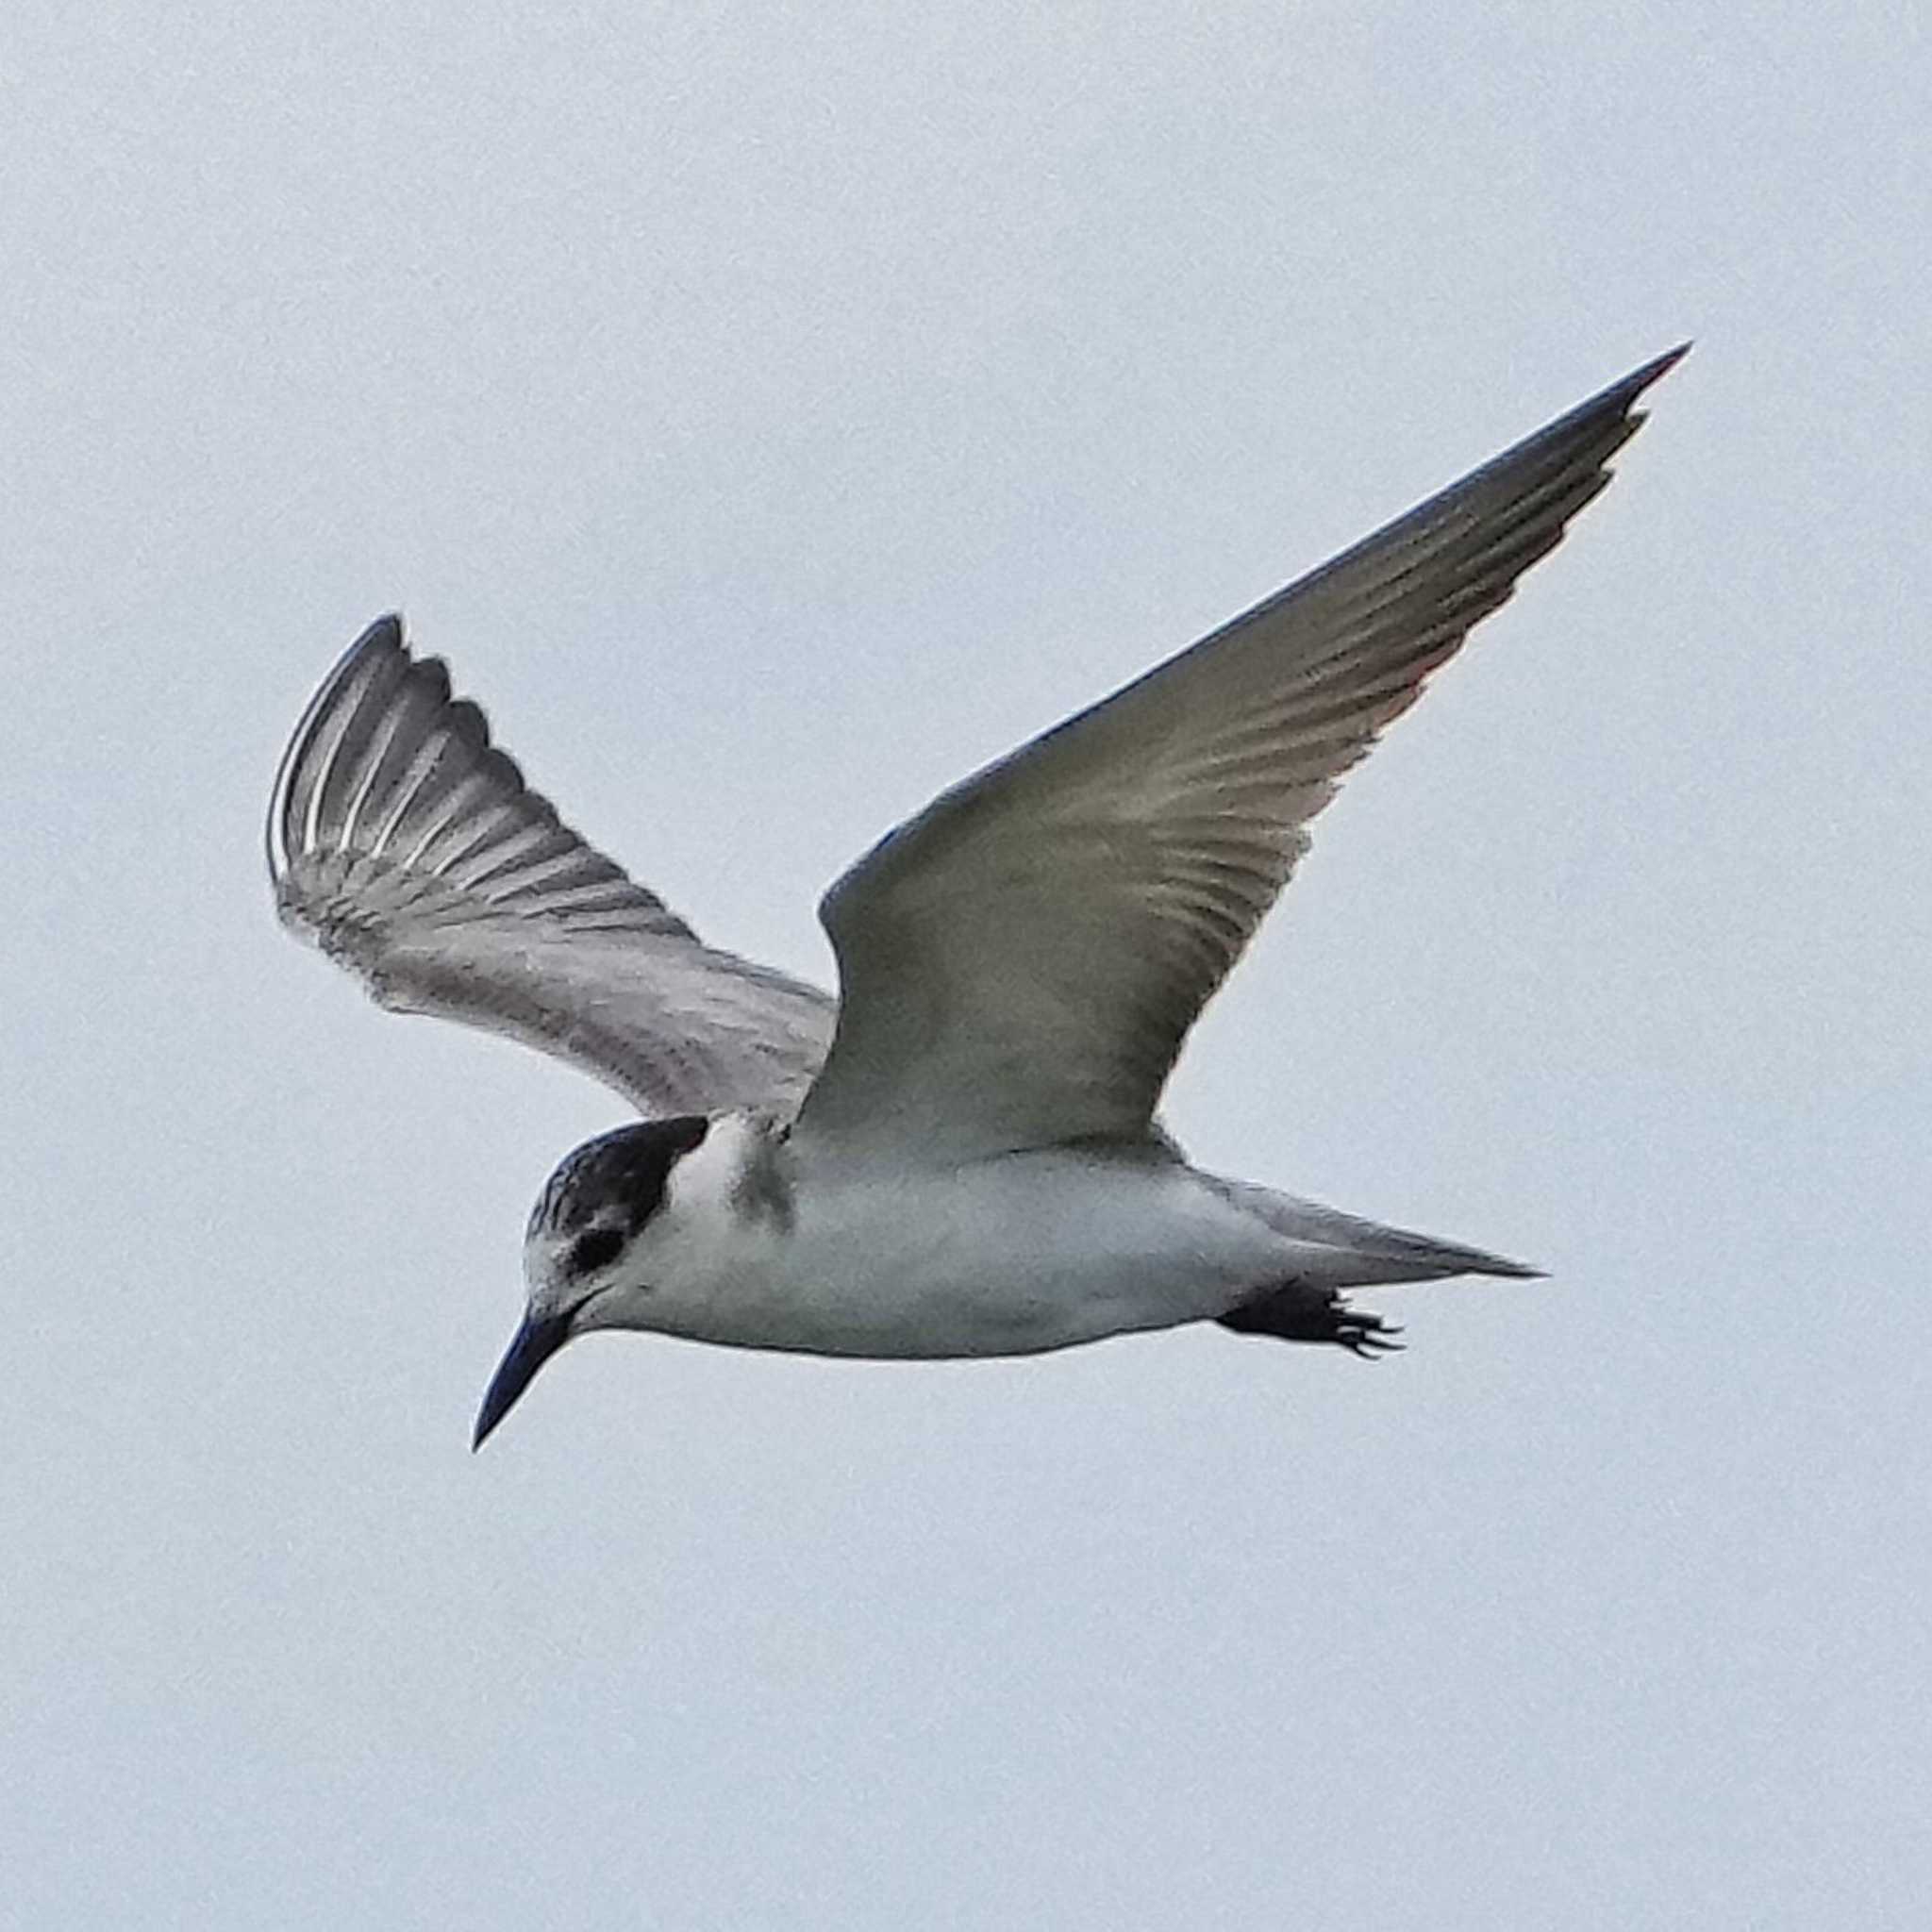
point(594, 1248)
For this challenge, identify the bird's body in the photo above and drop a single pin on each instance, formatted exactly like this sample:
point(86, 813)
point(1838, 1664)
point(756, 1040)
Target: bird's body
point(757, 1245)
point(1006, 1255)
point(958, 1156)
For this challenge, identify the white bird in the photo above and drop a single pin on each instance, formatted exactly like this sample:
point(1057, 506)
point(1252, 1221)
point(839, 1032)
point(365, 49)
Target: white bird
point(959, 1155)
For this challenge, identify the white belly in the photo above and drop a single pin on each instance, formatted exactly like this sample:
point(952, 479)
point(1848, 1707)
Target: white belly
point(1007, 1256)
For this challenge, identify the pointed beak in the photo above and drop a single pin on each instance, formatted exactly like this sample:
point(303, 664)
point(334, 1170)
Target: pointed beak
point(530, 1347)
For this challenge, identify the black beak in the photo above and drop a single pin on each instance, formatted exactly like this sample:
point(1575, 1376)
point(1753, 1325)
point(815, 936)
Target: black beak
point(530, 1347)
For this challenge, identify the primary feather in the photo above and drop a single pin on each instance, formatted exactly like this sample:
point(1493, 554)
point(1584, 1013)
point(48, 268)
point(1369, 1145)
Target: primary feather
point(410, 850)
point(1021, 962)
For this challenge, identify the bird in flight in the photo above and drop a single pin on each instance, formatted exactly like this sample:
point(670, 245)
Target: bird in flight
point(958, 1154)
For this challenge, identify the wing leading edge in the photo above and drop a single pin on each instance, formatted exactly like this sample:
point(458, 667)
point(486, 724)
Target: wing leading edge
point(1021, 962)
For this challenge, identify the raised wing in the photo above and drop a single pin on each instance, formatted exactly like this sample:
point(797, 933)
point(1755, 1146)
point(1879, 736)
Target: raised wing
point(1020, 963)
point(410, 850)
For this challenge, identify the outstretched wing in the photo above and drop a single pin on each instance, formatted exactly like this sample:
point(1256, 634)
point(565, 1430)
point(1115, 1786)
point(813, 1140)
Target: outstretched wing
point(410, 850)
point(1020, 963)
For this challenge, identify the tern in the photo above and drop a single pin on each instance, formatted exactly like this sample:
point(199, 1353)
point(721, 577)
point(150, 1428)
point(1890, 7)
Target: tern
point(960, 1156)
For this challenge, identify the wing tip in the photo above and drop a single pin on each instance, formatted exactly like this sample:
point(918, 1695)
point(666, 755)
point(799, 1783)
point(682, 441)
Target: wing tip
point(387, 636)
point(1658, 366)
point(1620, 398)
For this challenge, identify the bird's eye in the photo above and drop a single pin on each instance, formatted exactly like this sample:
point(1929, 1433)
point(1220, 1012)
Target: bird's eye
point(594, 1248)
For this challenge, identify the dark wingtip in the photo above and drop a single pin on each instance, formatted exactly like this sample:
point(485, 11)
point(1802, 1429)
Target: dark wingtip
point(1625, 394)
point(1619, 398)
point(388, 629)
point(386, 635)
point(1662, 365)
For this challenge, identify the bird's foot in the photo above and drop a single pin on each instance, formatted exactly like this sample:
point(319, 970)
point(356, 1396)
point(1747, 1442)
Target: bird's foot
point(1296, 1314)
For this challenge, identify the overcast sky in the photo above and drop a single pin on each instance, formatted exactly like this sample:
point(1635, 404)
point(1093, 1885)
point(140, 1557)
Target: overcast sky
point(772, 412)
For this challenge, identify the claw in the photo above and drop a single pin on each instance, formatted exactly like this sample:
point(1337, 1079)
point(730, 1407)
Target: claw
point(1370, 1348)
point(1368, 1336)
point(1299, 1314)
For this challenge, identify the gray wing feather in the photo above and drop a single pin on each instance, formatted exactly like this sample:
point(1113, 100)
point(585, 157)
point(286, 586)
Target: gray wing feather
point(1020, 963)
point(410, 850)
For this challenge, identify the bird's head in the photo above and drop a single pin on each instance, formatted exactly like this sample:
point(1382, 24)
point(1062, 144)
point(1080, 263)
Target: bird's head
point(581, 1248)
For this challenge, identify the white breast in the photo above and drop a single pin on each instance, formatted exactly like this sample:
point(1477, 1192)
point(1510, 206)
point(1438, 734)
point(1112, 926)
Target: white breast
point(1010, 1256)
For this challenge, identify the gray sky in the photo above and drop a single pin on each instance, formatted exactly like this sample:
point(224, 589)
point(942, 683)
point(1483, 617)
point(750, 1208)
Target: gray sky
point(774, 412)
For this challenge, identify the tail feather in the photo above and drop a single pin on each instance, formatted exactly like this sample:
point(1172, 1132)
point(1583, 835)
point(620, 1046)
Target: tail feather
point(1382, 1254)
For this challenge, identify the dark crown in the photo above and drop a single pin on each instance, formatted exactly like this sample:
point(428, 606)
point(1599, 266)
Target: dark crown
point(629, 1167)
